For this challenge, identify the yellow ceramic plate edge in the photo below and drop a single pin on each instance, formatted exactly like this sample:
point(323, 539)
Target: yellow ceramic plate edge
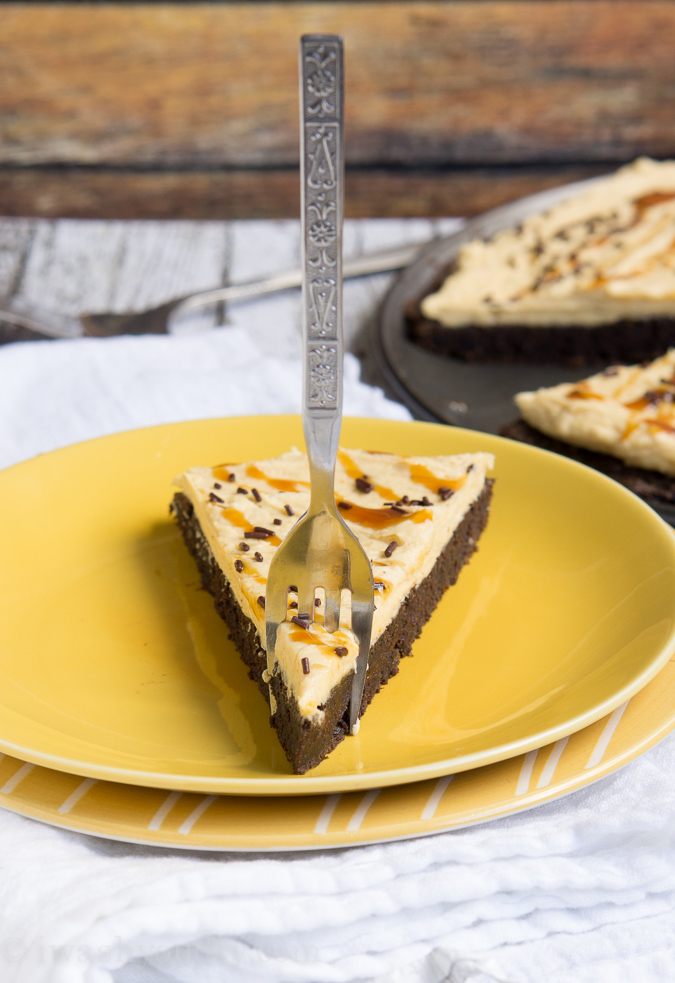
point(192, 821)
point(308, 784)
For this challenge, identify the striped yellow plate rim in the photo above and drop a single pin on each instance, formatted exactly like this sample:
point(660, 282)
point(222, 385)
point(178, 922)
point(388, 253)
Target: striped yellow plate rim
point(238, 823)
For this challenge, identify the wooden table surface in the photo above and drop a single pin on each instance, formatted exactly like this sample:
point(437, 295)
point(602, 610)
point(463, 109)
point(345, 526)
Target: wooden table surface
point(189, 110)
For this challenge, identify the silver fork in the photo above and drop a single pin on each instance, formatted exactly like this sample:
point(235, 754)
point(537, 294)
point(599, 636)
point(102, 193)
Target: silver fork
point(321, 551)
point(21, 320)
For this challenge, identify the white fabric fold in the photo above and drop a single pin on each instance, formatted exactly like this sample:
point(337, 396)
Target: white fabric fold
point(581, 890)
point(58, 393)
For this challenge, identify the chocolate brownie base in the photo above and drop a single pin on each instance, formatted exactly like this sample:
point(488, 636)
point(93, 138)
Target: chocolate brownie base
point(306, 743)
point(654, 487)
point(625, 341)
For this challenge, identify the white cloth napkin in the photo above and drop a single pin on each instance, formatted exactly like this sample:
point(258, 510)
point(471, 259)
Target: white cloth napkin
point(579, 891)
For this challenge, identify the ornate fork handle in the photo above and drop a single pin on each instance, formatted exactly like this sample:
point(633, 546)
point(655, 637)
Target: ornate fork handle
point(322, 166)
point(321, 551)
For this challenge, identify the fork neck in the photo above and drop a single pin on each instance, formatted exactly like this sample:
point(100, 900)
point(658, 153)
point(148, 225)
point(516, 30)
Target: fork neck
point(322, 435)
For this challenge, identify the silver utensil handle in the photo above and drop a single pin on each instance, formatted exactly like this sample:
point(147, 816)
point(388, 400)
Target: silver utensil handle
point(322, 171)
point(380, 262)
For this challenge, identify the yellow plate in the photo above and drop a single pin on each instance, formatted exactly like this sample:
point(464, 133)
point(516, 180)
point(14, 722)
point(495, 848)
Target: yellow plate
point(315, 822)
point(114, 664)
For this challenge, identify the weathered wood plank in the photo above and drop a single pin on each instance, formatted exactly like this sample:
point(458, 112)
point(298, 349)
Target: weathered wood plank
point(74, 265)
point(428, 83)
point(15, 241)
point(90, 193)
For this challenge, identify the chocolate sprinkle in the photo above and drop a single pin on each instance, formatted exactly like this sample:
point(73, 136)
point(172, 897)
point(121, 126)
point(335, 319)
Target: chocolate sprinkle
point(305, 666)
point(261, 602)
point(242, 491)
point(344, 505)
point(399, 510)
point(405, 500)
point(445, 493)
point(217, 484)
point(214, 498)
point(238, 566)
point(426, 502)
point(303, 622)
point(364, 486)
point(256, 494)
point(293, 588)
point(245, 547)
point(293, 604)
point(258, 557)
point(231, 476)
point(258, 532)
point(341, 650)
point(277, 522)
point(390, 549)
point(289, 510)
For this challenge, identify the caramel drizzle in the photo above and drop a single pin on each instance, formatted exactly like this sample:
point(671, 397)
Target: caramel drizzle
point(583, 394)
point(241, 522)
point(423, 476)
point(654, 198)
point(306, 636)
point(664, 395)
point(418, 473)
point(652, 423)
point(281, 484)
point(353, 471)
point(627, 383)
point(253, 573)
point(641, 205)
point(381, 518)
point(630, 427)
point(659, 425)
point(221, 472)
point(642, 403)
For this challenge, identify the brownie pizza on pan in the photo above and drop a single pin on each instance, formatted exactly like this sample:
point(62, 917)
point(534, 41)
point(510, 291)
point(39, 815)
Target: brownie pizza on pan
point(620, 421)
point(419, 520)
point(590, 280)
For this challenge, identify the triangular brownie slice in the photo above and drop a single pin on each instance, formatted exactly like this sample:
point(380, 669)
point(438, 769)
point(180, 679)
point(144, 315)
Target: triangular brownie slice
point(620, 421)
point(418, 518)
